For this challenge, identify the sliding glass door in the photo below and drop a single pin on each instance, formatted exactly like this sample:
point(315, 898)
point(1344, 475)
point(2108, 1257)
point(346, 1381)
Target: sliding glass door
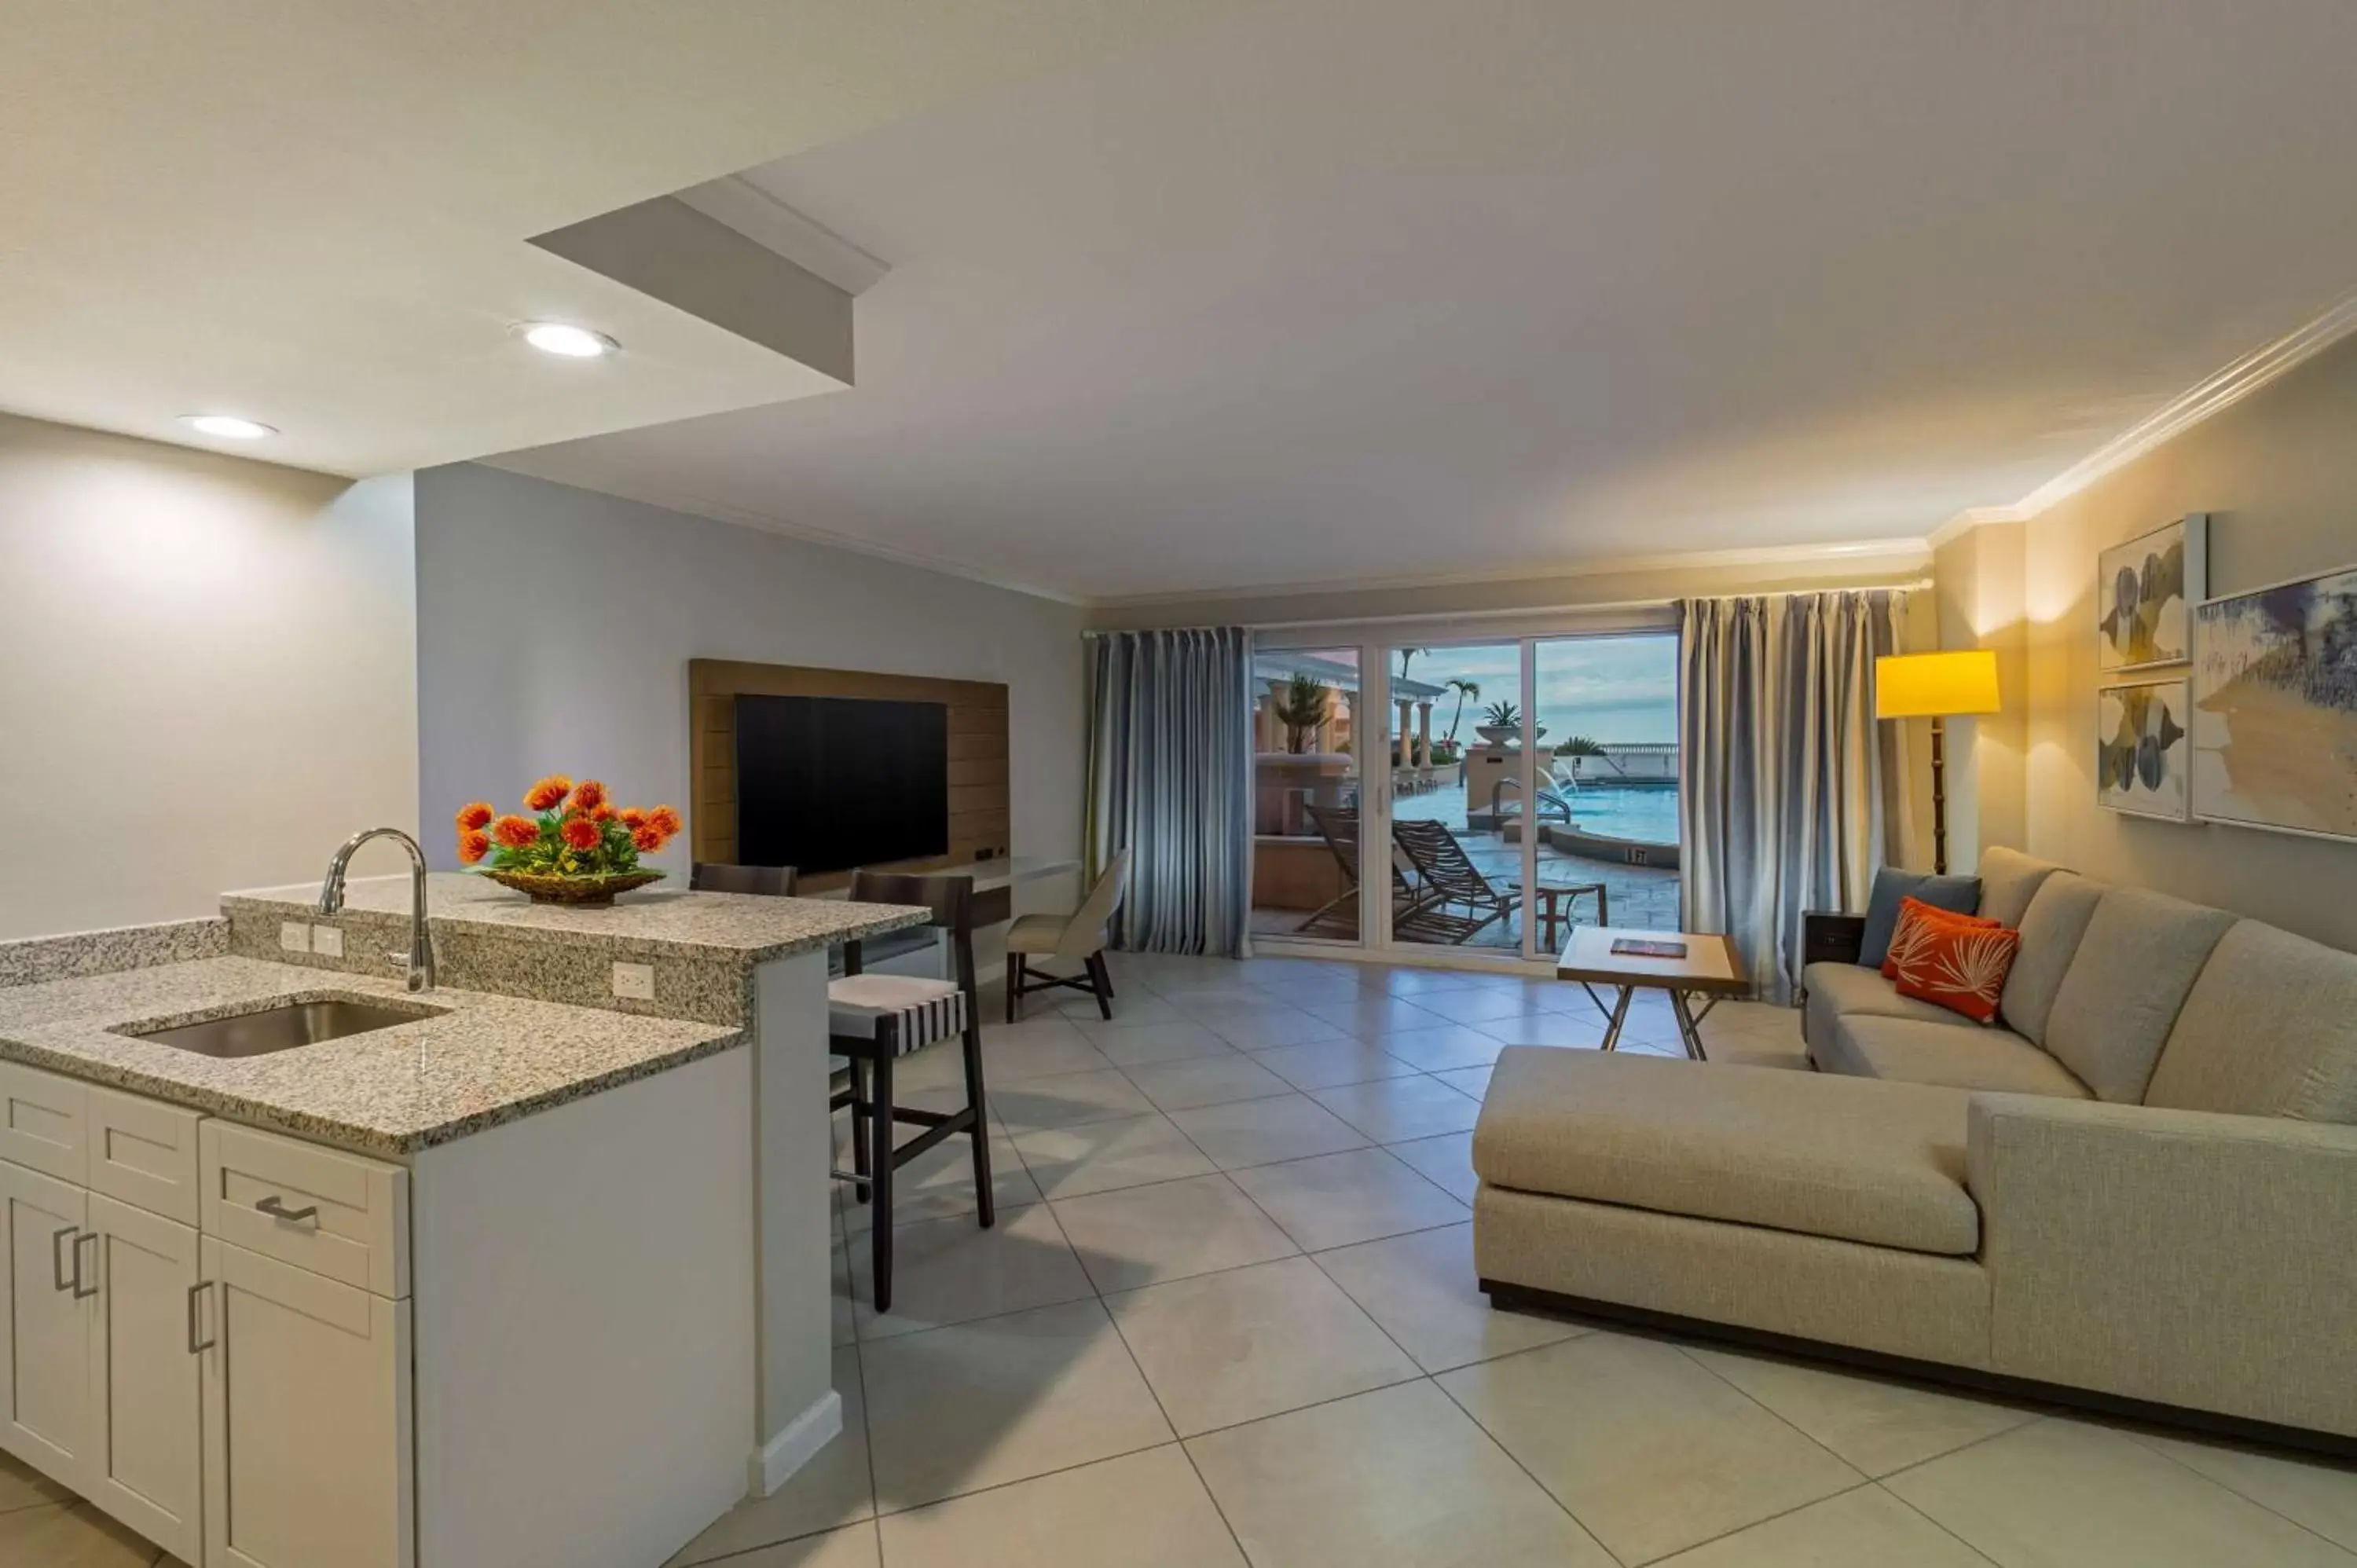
point(1305, 805)
point(1606, 795)
point(1455, 714)
point(1477, 796)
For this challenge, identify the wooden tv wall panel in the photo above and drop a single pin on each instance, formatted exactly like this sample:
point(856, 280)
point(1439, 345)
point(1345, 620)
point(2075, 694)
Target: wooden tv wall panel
point(978, 814)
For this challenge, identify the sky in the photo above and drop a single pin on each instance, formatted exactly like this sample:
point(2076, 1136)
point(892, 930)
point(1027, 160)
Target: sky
point(1610, 689)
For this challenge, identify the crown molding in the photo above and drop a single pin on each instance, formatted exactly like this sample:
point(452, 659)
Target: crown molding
point(1909, 549)
point(2203, 400)
point(2199, 401)
point(736, 202)
point(1972, 517)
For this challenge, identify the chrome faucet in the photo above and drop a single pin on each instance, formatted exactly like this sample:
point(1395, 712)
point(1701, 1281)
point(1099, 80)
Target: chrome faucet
point(421, 947)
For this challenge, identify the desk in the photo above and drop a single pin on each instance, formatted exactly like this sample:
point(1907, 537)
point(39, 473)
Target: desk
point(1710, 969)
point(994, 882)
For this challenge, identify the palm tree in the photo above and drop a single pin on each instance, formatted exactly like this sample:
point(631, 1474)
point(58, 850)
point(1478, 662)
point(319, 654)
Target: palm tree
point(1464, 689)
point(1406, 654)
point(1302, 708)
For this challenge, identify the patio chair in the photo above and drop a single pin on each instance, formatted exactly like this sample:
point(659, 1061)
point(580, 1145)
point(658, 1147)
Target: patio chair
point(1450, 878)
point(1414, 913)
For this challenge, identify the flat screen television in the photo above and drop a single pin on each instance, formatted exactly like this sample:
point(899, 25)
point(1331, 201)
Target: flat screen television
point(828, 783)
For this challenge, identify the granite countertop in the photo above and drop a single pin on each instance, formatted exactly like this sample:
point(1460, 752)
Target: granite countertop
point(654, 922)
point(481, 1061)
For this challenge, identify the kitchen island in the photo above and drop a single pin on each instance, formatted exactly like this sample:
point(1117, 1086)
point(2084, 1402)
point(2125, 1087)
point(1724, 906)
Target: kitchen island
point(522, 1273)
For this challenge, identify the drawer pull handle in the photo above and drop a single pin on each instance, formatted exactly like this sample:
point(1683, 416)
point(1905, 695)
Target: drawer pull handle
point(275, 1207)
point(57, 1268)
point(79, 1293)
point(198, 1347)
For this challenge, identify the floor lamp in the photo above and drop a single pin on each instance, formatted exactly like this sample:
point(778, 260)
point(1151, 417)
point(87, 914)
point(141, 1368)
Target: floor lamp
point(1936, 686)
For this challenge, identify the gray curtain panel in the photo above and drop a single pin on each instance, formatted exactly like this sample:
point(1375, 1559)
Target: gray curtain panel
point(1171, 780)
point(1784, 797)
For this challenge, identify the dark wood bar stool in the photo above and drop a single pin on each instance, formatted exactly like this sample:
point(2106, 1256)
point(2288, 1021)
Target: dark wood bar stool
point(875, 1019)
point(717, 876)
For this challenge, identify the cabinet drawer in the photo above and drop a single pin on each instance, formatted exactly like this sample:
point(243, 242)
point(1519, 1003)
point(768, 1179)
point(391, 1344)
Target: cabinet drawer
point(335, 1214)
point(144, 1153)
point(45, 1121)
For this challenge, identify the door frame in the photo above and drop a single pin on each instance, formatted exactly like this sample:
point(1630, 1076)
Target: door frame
point(1376, 640)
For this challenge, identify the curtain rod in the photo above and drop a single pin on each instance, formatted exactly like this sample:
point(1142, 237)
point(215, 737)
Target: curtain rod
point(1508, 614)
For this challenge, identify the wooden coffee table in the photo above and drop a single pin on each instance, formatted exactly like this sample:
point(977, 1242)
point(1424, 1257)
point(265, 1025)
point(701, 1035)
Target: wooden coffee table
point(1710, 970)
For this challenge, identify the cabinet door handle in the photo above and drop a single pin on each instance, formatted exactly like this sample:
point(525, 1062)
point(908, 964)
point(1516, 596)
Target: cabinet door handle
point(275, 1207)
point(57, 1271)
point(79, 1293)
point(198, 1347)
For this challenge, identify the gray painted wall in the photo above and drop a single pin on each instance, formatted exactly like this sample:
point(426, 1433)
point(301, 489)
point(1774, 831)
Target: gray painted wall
point(554, 627)
point(2277, 474)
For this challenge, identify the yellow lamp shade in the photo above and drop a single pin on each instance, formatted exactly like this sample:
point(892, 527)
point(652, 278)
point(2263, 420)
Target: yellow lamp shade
point(1935, 685)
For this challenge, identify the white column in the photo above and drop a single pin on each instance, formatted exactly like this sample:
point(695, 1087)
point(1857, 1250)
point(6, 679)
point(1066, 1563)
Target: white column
point(1406, 738)
point(1424, 734)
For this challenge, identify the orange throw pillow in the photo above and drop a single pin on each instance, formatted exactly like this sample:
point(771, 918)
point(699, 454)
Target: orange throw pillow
point(1914, 916)
point(1960, 967)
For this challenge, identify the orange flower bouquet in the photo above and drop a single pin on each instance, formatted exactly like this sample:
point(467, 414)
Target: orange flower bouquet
point(576, 847)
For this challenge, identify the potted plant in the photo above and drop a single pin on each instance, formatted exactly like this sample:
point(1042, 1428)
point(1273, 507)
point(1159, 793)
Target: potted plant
point(576, 847)
point(1502, 724)
point(1302, 709)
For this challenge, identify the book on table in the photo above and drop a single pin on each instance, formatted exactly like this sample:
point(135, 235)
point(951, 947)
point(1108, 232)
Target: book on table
point(1646, 947)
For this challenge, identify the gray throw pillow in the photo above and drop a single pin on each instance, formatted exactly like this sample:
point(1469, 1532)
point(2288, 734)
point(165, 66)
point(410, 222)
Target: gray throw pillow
point(1958, 894)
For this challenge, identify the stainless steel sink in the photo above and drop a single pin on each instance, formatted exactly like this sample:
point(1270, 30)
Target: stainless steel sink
point(283, 1027)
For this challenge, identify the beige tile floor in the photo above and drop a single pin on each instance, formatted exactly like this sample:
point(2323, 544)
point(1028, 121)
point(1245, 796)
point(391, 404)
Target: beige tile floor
point(1227, 1317)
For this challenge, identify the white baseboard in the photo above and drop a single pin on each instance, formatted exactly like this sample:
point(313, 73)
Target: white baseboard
point(792, 1448)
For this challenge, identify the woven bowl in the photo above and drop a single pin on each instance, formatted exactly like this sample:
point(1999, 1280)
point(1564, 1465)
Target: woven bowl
point(582, 892)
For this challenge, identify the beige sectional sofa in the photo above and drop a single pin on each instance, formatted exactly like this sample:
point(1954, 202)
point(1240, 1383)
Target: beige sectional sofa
point(2139, 1188)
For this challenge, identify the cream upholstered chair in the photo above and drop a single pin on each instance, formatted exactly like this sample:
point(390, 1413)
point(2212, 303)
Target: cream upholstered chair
point(1078, 938)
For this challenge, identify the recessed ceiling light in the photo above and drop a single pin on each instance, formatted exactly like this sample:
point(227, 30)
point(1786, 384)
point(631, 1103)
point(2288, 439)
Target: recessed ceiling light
point(227, 425)
point(572, 342)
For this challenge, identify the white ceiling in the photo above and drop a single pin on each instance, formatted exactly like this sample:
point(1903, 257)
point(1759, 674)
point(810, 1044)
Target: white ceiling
point(316, 214)
point(1330, 290)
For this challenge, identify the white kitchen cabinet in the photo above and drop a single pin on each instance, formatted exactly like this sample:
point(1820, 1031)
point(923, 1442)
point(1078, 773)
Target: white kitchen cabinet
point(46, 1317)
point(146, 1458)
point(207, 1329)
point(306, 1413)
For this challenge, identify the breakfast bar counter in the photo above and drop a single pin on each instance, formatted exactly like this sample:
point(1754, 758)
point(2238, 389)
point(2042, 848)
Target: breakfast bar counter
point(529, 1265)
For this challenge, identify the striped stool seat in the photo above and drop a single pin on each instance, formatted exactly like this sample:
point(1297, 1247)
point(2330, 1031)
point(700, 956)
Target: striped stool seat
point(921, 1011)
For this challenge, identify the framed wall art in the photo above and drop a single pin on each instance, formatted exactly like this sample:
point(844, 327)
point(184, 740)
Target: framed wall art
point(2145, 592)
point(2275, 707)
point(2143, 757)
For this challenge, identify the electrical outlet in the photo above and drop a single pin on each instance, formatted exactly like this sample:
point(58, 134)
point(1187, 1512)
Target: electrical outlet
point(635, 981)
point(294, 936)
point(328, 940)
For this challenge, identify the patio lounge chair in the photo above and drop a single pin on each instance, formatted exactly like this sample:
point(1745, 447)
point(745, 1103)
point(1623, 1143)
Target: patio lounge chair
point(1415, 912)
point(1449, 879)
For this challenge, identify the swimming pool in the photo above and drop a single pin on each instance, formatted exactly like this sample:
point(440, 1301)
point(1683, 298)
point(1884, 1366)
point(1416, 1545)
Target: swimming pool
point(1646, 815)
